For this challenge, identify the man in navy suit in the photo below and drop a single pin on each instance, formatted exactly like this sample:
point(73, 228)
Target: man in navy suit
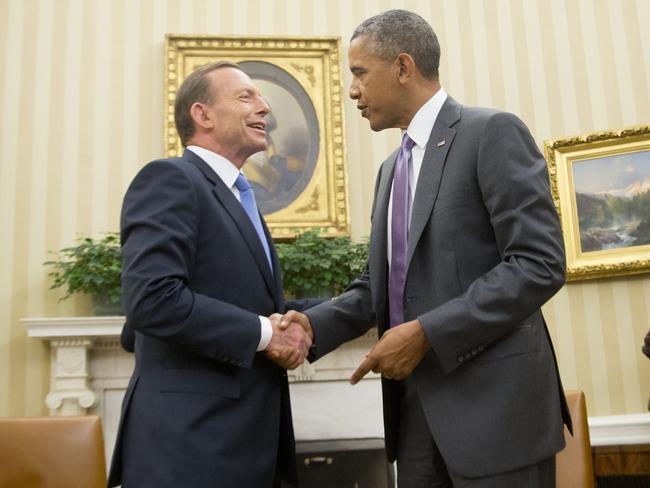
point(465, 248)
point(207, 405)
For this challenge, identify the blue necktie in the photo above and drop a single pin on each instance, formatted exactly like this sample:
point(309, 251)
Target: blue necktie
point(248, 202)
point(399, 233)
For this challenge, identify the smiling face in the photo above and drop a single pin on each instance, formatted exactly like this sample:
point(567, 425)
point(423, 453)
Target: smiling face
point(236, 114)
point(375, 86)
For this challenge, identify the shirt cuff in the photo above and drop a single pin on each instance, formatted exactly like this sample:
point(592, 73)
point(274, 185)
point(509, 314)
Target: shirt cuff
point(266, 333)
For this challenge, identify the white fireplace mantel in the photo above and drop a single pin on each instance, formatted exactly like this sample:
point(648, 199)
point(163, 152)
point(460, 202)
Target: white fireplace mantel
point(89, 373)
point(76, 344)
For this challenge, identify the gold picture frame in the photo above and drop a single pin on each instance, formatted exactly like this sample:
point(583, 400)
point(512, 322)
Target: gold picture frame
point(300, 182)
point(600, 184)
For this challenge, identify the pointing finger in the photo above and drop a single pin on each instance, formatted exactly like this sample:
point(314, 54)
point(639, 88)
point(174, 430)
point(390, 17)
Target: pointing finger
point(364, 368)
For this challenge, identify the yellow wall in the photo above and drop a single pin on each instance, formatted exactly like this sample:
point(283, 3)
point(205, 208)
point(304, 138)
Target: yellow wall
point(81, 109)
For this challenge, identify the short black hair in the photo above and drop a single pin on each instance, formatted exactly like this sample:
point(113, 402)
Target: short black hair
point(400, 31)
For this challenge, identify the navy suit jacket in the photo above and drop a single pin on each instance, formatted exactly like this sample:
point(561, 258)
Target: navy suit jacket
point(203, 408)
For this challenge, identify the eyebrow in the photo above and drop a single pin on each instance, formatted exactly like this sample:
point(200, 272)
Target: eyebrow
point(247, 91)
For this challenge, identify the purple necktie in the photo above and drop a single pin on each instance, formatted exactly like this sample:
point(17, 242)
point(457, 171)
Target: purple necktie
point(399, 233)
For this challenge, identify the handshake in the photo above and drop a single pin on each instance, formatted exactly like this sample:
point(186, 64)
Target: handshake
point(398, 352)
point(290, 342)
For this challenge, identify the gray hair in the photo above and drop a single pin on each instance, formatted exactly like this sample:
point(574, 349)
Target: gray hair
point(400, 31)
point(195, 88)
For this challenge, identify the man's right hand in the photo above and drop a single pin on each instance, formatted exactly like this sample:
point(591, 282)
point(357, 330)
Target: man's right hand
point(295, 317)
point(289, 344)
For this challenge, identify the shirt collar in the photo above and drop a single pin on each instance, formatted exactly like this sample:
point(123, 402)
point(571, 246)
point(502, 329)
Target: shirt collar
point(226, 170)
point(422, 123)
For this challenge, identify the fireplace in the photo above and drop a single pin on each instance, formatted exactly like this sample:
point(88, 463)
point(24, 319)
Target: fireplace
point(90, 372)
point(358, 463)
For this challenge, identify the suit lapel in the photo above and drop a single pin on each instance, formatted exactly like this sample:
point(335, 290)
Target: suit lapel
point(277, 273)
point(435, 156)
point(241, 220)
point(247, 230)
point(378, 262)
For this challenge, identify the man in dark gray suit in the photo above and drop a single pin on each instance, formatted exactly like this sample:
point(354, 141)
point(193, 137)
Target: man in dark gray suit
point(465, 248)
point(207, 405)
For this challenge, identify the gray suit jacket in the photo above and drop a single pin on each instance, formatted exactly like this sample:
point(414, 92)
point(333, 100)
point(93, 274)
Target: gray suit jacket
point(485, 252)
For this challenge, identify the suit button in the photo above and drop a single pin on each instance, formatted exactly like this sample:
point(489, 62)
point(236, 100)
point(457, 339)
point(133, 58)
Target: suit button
point(481, 347)
point(461, 359)
point(474, 352)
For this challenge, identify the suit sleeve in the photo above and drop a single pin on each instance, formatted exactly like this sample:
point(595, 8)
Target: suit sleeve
point(513, 180)
point(160, 225)
point(303, 304)
point(347, 316)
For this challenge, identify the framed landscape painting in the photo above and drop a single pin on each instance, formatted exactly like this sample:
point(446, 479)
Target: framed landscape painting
point(300, 181)
point(601, 187)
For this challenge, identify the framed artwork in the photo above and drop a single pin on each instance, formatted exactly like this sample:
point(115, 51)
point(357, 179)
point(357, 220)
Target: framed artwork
point(600, 183)
point(300, 181)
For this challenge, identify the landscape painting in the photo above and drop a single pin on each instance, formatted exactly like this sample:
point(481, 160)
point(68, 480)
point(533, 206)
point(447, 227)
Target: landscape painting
point(600, 184)
point(613, 201)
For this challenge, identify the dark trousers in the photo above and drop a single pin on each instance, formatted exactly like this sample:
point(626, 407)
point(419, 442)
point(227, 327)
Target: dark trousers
point(420, 464)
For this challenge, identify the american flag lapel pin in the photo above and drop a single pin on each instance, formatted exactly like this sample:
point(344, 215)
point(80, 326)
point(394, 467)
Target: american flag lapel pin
point(441, 143)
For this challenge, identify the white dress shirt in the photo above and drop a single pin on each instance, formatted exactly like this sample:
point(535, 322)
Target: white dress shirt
point(228, 173)
point(419, 131)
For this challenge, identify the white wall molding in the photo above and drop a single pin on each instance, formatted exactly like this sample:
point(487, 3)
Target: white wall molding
point(60, 327)
point(614, 430)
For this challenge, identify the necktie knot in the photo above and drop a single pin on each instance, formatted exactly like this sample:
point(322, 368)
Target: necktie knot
point(407, 142)
point(242, 183)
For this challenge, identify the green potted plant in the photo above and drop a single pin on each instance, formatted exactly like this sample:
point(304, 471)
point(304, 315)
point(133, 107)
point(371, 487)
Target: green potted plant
point(93, 267)
point(317, 266)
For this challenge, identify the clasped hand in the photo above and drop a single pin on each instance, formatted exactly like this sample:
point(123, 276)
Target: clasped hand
point(289, 344)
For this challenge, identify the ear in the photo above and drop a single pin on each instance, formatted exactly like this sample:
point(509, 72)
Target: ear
point(201, 116)
point(406, 67)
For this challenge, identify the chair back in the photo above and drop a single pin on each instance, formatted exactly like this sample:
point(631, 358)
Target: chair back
point(52, 452)
point(574, 464)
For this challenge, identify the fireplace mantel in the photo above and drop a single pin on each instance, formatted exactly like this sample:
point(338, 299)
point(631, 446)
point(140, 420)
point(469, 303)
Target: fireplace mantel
point(89, 373)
